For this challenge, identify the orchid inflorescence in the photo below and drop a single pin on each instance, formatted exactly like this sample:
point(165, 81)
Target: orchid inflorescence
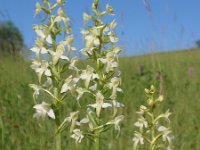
point(154, 128)
point(58, 76)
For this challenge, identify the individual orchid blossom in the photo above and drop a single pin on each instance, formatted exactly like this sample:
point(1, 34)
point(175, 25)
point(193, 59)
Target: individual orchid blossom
point(43, 34)
point(88, 75)
point(116, 122)
point(41, 68)
point(109, 9)
point(167, 133)
point(38, 50)
point(58, 55)
point(36, 89)
point(43, 110)
point(77, 135)
point(38, 8)
point(141, 123)
point(117, 104)
point(70, 84)
point(92, 38)
point(100, 103)
point(73, 63)
point(86, 17)
point(61, 17)
point(114, 85)
point(138, 139)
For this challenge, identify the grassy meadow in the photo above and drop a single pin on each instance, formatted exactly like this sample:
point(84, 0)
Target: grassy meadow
point(175, 74)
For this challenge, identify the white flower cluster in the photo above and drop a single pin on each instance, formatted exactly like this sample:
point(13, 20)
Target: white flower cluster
point(52, 59)
point(101, 80)
point(154, 131)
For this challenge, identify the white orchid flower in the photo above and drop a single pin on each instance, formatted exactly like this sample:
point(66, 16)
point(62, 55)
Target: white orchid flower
point(36, 89)
point(109, 9)
point(38, 50)
point(92, 38)
point(93, 87)
point(61, 17)
point(88, 75)
point(80, 92)
point(141, 123)
point(43, 110)
point(77, 136)
point(73, 117)
point(167, 136)
point(41, 68)
point(70, 84)
point(69, 40)
point(165, 116)
point(72, 63)
point(38, 8)
point(116, 122)
point(43, 34)
point(58, 55)
point(138, 139)
point(48, 82)
point(113, 24)
point(109, 61)
point(117, 104)
point(114, 85)
point(87, 51)
point(100, 103)
point(86, 17)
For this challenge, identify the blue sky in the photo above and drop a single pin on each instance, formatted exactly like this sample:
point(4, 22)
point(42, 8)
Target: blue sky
point(171, 24)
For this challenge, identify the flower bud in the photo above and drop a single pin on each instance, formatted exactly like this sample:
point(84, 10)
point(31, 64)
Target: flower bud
point(109, 9)
point(150, 102)
point(160, 98)
point(152, 89)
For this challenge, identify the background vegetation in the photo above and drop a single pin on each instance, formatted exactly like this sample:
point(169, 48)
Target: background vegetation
point(181, 85)
point(11, 39)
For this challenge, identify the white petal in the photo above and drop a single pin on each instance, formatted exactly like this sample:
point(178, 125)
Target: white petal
point(84, 120)
point(119, 89)
point(162, 128)
point(64, 88)
point(105, 105)
point(58, 19)
point(68, 119)
point(35, 49)
point(96, 41)
point(43, 50)
point(85, 76)
point(51, 114)
point(49, 39)
point(40, 33)
point(93, 88)
point(64, 57)
point(48, 73)
point(93, 105)
point(103, 60)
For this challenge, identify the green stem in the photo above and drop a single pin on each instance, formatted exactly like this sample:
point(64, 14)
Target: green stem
point(152, 145)
point(97, 141)
point(58, 140)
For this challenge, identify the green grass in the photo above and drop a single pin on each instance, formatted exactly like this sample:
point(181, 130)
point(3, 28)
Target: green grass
point(19, 131)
